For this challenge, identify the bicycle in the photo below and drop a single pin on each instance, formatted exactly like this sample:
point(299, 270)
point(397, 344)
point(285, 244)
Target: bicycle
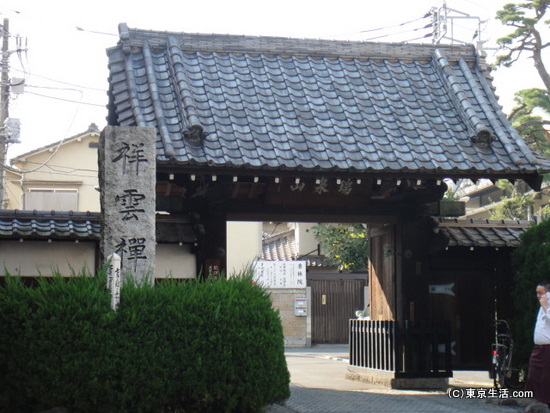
point(502, 373)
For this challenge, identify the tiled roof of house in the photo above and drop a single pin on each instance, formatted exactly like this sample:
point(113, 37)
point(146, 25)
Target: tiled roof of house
point(483, 233)
point(45, 224)
point(81, 226)
point(262, 103)
point(91, 129)
point(280, 247)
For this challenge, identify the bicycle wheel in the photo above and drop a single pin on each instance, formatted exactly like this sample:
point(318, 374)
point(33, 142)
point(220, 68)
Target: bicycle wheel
point(499, 379)
point(494, 366)
point(512, 380)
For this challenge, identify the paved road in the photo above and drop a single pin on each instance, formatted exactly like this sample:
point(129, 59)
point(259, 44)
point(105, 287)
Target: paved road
point(318, 385)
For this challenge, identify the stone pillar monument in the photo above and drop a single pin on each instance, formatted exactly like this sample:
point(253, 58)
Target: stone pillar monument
point(127, 180)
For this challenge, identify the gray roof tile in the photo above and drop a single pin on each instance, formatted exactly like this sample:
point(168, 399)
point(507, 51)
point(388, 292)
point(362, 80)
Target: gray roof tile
point(483, 233)
point(55, 225)
point(81, 226)
point(314, 104)
point(279, 247)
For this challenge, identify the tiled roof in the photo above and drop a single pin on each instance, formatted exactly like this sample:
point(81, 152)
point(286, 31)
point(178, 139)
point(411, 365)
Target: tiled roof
point(221, 101)
point(81, 226)
point(280, 247)
point(43, 224)
point(483, 233)
point(91, 129)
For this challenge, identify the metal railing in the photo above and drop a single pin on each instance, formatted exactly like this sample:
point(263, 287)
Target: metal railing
point(372, 344)
point(409, 350)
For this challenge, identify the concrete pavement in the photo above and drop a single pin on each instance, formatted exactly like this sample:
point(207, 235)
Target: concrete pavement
point(318, 385)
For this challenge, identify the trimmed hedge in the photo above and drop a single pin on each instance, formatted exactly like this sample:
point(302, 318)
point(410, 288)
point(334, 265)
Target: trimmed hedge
point(214, 346)
point(531, 261)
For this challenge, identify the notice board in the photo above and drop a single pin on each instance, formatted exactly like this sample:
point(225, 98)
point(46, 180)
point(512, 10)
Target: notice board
point(280, 274)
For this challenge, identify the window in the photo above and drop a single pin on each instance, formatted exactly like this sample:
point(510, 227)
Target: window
point(51, 199)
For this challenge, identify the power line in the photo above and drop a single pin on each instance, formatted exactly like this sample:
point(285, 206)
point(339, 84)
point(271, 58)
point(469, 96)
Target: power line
point(67, 89)
point(400, 33)
point(61, 82)
point(426, 15)
point(10, 10)
point(62, 170)
point(396, 25)
point(80, 29)
point(421, 37)
point(67, 100)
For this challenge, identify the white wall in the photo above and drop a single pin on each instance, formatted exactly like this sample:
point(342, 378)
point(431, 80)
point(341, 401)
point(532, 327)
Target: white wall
point(244, 244)
point(175, 261)
point(34, 258)
point(305, 238)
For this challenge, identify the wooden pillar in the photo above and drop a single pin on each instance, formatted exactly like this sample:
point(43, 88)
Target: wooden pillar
point(212, 251)
point(382, 272)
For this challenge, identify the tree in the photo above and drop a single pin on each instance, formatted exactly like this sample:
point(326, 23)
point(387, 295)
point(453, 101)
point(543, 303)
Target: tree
point(526, 37)
point(344, 244)
point(528, 124)
point(525, 40)
point(532, 265)
point(516, 206)
point(526, 19)
point(532, 258)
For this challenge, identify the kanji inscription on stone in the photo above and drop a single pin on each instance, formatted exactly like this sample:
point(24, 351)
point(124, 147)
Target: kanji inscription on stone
point(127, 178)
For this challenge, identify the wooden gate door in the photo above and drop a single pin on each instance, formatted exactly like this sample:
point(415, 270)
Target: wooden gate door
point(466, 301)
point(334, 302)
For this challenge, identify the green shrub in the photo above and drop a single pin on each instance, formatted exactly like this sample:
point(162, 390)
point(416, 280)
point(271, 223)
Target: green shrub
point(532, 265)
point(214, 346)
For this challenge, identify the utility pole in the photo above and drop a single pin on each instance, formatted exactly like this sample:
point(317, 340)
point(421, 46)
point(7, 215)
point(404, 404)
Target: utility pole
point(4, 107)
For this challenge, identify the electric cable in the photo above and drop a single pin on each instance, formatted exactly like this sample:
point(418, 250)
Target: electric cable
point(69, 172)
point(58, 145)
point(396, 25)
point(400, 33)
point(67, 100)
point(421, 37)
point(62, 82)
point(61, 167)
point(80, 29)
point(426, 15)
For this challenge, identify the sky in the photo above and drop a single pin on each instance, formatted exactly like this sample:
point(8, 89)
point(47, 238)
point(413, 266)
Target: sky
point(65, 62)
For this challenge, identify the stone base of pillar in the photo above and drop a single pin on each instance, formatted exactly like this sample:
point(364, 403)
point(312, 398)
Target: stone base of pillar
point(388, 379)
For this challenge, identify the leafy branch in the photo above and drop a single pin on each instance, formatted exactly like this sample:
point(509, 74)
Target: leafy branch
point(344, 244)
point(524, 18)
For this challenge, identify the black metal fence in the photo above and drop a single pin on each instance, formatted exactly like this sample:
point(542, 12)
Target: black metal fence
point(409, 350)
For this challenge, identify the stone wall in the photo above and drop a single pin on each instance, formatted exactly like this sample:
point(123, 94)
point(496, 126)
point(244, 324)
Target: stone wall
point(296, 329)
